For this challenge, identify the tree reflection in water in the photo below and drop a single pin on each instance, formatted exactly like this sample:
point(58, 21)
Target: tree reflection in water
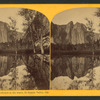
point(74, 72)
point(24, 72)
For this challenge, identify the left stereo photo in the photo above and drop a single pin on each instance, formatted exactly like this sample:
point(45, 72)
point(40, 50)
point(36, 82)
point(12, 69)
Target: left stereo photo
point(24, 49)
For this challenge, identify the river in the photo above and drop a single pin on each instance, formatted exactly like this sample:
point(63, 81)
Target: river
point(24, 72)
point(75, 72)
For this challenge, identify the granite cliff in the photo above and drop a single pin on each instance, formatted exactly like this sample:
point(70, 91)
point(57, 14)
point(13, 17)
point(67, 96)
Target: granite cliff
point(4, 30)
point(6, 34)
point(71, 34)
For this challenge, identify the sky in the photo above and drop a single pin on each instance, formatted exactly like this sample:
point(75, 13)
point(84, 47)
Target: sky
point(77, 15)
point(11, 12)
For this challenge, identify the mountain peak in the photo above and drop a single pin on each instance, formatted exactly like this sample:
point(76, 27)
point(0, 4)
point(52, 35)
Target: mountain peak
point(71, 22)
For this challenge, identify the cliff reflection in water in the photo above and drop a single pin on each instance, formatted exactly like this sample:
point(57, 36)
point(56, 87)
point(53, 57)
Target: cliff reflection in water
point(75, 73)
point(24, 72)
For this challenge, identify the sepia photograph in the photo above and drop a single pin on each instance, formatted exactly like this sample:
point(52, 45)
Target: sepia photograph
point(75, 49)
point(24, 49)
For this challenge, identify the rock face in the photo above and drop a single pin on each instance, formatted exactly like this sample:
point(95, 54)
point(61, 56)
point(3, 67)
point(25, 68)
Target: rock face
point(62, 33)
point(7, 35)
point(78, 34)
point(71, 34)
point(4, 29)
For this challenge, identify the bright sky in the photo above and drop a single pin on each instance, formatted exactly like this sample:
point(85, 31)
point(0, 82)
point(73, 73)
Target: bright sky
point(13, 12)
point(77, 15)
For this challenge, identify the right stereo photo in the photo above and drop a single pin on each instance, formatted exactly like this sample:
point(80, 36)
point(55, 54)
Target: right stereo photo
point(75, 49)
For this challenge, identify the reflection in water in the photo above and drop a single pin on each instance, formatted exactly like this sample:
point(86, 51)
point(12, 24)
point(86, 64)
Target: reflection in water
point(24, 72)
point(75, 73)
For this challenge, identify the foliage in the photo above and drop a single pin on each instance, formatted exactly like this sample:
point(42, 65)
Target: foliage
point(13, 27)
point(28, 16)
point(97, 13)
point(89, 25)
